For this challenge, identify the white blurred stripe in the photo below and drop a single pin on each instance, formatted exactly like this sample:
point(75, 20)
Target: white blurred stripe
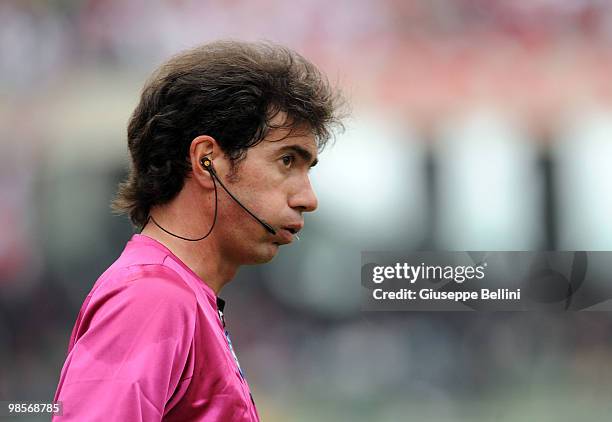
point(489, 187)
point(584, 180)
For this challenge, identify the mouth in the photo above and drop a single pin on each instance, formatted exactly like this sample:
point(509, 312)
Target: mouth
point(287, 234)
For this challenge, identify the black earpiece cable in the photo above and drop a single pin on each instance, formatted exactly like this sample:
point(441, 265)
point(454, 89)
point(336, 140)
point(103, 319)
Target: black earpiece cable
point(208, 165)
point(185, 238)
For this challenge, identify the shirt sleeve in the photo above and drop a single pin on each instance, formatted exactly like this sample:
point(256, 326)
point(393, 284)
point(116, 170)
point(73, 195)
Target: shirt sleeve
point(129, 349)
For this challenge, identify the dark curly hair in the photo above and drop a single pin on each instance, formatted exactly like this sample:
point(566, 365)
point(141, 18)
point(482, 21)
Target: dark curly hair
point(229, 90)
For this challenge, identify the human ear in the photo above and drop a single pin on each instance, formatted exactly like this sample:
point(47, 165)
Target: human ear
point(203, 146)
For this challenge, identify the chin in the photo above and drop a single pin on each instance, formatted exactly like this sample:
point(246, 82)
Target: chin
point(263, 254)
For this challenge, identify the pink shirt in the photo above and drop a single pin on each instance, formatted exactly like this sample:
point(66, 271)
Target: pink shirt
point(149, 344)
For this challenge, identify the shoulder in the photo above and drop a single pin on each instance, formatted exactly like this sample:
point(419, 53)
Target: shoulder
point(148, 279)
point(142, 289)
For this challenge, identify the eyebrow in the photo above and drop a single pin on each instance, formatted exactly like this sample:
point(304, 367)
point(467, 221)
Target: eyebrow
point(303, 153)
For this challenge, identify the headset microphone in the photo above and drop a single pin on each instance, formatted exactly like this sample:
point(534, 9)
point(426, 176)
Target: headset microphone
point(207, 164)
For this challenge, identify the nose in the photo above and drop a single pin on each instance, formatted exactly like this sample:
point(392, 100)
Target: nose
point(304, 200)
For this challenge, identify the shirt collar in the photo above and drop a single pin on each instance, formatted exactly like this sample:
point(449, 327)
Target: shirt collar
point(220, 304)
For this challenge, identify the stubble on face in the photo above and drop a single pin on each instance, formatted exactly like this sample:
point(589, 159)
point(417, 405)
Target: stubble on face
point(246, 241)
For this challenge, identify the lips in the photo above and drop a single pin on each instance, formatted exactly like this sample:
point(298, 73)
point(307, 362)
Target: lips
point(294, 228)
point(287, 232)
point(285, 236)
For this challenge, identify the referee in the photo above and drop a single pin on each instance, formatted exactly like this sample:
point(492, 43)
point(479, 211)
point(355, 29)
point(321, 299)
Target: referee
point(221, 144)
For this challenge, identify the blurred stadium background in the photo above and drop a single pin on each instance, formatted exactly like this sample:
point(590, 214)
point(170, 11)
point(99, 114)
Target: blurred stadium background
point(476, 125)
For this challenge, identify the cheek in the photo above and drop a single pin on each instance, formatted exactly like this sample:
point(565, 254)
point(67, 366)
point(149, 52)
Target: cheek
point(269, 191)
point(273, 203)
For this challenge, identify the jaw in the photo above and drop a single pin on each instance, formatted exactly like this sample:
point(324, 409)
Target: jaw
point(260, 253)
point(267, 252)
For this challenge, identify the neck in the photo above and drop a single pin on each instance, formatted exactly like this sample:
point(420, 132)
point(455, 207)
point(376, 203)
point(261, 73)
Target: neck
point(203, 257)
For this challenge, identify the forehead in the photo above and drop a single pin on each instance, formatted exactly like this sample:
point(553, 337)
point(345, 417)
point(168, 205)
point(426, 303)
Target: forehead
point(278, 138)
point(281, 126)
point(283, 137)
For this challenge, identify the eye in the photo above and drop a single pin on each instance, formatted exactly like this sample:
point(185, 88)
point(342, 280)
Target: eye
point(288, 160)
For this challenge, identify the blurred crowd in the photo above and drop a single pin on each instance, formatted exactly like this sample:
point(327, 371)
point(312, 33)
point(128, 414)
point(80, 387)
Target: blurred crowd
point(486, 126)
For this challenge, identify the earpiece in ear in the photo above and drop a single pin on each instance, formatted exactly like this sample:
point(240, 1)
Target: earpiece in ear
point(206, 163)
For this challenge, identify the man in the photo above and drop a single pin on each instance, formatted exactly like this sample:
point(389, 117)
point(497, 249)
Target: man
point(221, 145)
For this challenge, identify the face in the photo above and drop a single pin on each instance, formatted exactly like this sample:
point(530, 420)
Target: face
point(273, 182)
